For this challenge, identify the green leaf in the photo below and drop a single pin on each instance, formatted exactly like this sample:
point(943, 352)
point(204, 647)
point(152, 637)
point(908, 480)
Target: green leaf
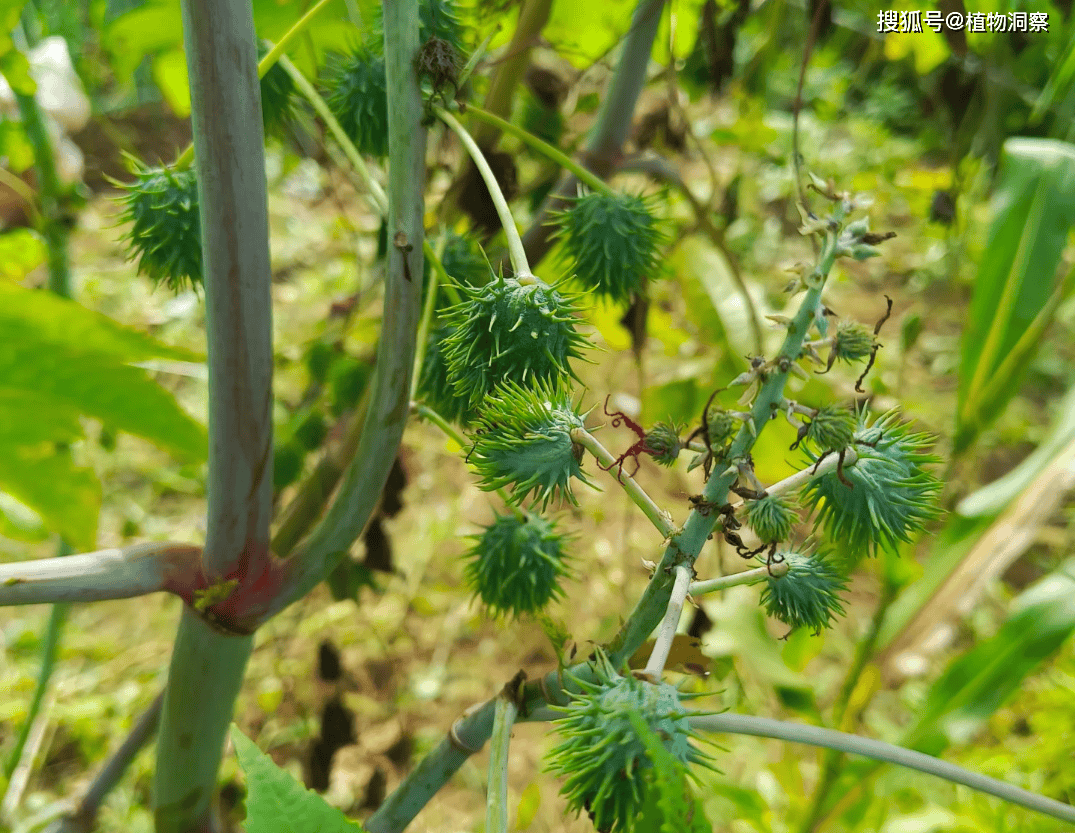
point(529, 802)
point(13, 64)
point(170, 74)
point(60, 362)
point(976, 684)
point(1015, 294)
point(277, 803)
point(991, 499)
point(21, 251)
point(66, 497)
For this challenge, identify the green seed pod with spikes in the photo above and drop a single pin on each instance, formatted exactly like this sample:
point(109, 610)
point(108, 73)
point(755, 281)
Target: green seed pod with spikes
point(663, 443)
point(602, 758)
point(435, 386)
point(612, 240)
point(165, 236)
point(510, 330)
point(832, 428)
point(770, 518)
point(516, 565)
point(356, 94)
point(893, 495)
point(853, 342)
point(276, 91)
point(523, 441)
point(462, 260)
point(807, 595)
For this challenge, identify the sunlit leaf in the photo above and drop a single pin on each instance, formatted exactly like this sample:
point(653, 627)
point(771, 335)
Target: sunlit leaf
point(277, 803)
point(1016, 292)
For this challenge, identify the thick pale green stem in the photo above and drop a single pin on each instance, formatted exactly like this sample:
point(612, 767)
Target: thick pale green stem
point(387, 415)
point(755, 576)
point(97, 576)
point(515, 243)
point(204, 678)
point(669, 625)
point(275, 54)
point(658, 517)
point(744, 724)
point(207, 666)
point(496, 799)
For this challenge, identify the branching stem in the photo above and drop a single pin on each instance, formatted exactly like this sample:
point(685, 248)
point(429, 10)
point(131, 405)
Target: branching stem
point(667, 632)
point(743, 724)
point(550, 152)
point(755, 576)
point(519, 262)
point(658, 517)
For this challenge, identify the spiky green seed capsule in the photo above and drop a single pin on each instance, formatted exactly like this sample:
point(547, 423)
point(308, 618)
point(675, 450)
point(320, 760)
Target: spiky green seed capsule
point(663, 443)
point(832, 428)
point(771, 518)
point(613, 241)
point(523, 441)
point(509, 331)
point(356, 94)
point(464, 261)
point(722, 429)
point(602, 758)
point(435, 386)
point(853, 341)
point(276, 90)
point(808, 595)
point(516, 565)
point(166, 234)
point(893, 494)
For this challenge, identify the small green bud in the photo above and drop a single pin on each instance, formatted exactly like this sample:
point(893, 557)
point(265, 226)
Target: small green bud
point(613, 241)
point(893, 495)
point(722, 429)
point(516, 565)
point(663, 443)
point(523, 441)
point(356, 94)
point(165, 236)
point(808, 595)
point(832, 428)
point(508, 331)
point(771, 518)
point(602, 758)
point(853, 341)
